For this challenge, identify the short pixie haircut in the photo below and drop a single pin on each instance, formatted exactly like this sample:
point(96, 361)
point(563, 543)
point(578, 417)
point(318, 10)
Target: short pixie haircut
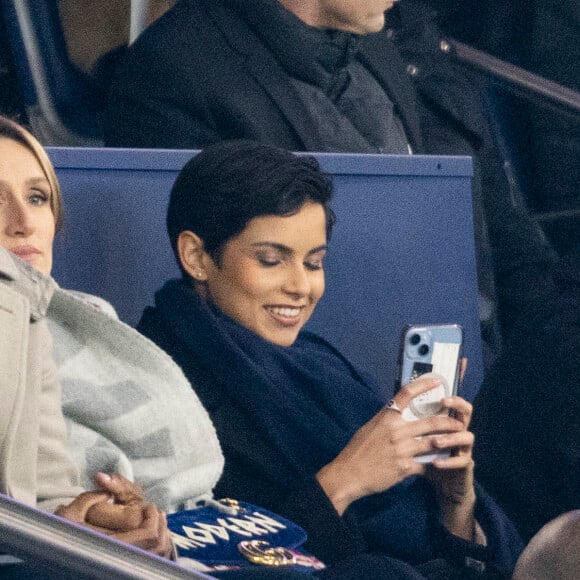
point(10, 129)
point(229, 183)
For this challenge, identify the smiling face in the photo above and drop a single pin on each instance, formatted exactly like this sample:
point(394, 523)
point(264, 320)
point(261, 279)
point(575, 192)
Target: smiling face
point(357, 16)
point(27, 224)
point(270, 276)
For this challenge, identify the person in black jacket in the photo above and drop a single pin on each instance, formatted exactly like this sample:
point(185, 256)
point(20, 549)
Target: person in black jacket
point(327, 76)
point(211, 70)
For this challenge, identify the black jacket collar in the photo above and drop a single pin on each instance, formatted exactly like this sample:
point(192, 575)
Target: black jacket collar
point(376, 52)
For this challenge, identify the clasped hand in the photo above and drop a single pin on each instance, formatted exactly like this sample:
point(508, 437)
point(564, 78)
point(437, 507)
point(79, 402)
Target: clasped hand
point(382, 453)
point(119, 510)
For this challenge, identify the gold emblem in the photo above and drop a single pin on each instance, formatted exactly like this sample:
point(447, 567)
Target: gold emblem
point(232, 503)
point(260, 552)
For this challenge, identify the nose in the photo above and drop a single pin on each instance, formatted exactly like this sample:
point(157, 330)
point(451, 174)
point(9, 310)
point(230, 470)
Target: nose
point(297, 282)
point(17, 220)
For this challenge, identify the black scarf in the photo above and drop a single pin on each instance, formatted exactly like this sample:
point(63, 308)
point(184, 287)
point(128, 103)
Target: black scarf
point(316, 56)
point(302, 402)
point(352, 111)
point(291, 393)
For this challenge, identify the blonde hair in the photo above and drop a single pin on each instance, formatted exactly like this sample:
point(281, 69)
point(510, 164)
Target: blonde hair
point(10, 129)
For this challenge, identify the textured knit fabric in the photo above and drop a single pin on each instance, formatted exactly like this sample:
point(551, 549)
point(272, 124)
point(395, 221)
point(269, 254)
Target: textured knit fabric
point(128, 407)
point(282, 413)
point(351, 110)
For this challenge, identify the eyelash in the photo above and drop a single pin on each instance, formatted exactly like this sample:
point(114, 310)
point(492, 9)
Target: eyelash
point(42, 198)
point(268, 263)
point(313, 267)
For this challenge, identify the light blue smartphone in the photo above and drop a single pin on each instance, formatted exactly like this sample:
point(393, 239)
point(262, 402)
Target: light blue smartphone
point(430, 348)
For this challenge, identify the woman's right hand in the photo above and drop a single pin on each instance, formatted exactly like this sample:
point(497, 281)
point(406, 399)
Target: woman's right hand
point(382, 452)
point(119, 510)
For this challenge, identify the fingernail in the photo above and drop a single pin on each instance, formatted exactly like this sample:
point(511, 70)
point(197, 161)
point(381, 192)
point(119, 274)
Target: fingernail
point(104, 476)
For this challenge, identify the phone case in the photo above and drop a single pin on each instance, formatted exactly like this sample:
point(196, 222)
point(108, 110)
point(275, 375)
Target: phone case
point(430, 348)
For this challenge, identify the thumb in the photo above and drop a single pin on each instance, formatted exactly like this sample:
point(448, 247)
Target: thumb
point(76, 511)
point(125, 491)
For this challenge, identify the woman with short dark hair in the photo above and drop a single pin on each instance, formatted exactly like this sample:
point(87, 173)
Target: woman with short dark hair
point(304, 432)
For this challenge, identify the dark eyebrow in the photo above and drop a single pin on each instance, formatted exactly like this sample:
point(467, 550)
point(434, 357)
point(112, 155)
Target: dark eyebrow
point(286, 250)
point(318, 249)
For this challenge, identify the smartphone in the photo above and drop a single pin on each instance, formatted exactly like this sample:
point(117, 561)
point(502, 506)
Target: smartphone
point(430, 348)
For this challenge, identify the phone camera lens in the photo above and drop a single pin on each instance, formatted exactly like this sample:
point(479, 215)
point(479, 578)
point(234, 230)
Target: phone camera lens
point(415, 339)
point(423, 349)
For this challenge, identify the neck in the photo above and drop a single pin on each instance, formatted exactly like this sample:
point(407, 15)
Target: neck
point(307, 10)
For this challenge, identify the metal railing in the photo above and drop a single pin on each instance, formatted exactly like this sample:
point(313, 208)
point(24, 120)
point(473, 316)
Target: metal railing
point(525, 84)
point(61, 547)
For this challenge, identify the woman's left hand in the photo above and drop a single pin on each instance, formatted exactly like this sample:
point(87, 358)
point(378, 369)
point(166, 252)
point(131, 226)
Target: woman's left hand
point(119, 510)
point(452, 477)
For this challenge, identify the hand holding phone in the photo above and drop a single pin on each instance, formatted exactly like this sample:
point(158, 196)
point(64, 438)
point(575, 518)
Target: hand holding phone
point(429, 403)
point(433, 349)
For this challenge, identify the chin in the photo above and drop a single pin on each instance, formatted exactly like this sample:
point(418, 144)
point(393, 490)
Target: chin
point(280, 339)
point(39, 264)
point(374, 27)
point(43, 267)
point(372, 24)
point(287, 342)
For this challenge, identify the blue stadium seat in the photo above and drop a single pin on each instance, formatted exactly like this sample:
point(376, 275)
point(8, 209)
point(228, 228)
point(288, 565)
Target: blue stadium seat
point(402, 251)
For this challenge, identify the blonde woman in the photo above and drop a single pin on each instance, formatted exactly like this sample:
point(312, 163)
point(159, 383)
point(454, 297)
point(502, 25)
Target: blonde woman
point(117, 419)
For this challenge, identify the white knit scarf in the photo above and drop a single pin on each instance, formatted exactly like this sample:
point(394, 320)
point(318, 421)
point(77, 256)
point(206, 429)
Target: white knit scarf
point(129, 408)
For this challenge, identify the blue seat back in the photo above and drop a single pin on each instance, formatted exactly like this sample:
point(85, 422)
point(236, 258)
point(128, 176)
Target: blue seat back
point(402, 250)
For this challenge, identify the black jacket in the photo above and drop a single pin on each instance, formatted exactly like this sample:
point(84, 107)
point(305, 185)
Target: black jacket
point(200, 74)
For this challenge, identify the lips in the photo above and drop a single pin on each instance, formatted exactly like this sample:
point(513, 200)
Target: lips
point(28, 253)
point(286, 315)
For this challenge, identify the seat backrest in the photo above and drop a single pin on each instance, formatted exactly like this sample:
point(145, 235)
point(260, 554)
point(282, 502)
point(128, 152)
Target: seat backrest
point(62, 104)
point(402, 250)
